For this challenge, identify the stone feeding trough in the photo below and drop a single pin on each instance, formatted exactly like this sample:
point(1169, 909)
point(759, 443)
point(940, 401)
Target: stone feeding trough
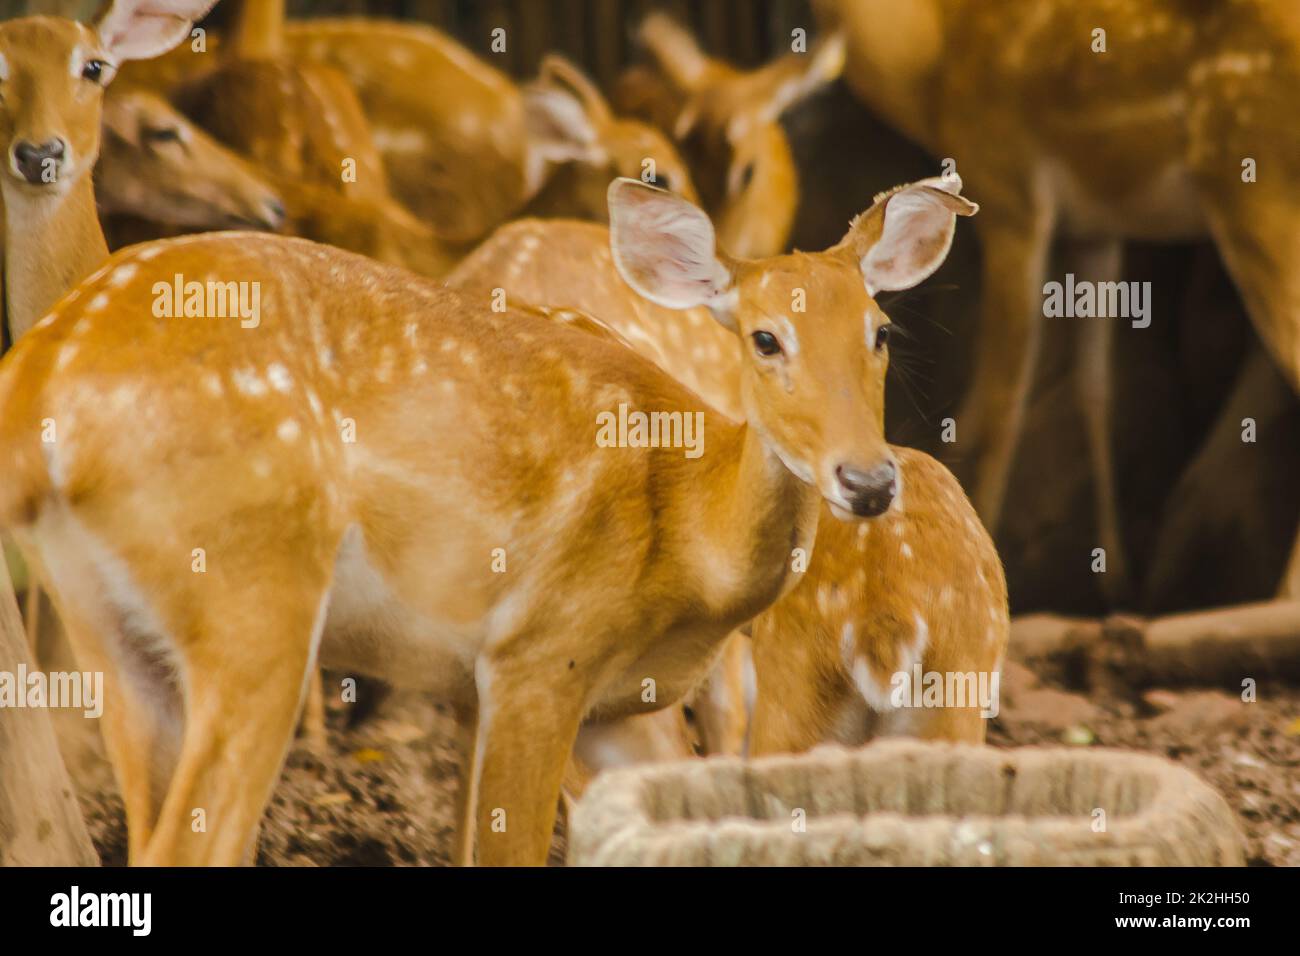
point(907, 803)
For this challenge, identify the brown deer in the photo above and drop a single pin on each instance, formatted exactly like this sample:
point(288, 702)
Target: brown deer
point(1095, 123)
point(381, 441)
point(921, 585)
point(464, 146)
point(727, 122)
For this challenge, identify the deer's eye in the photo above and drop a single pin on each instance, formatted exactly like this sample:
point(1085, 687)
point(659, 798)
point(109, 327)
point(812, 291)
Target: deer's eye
point(163, 134)
point(882, 337)
point(662, 182)
point(96, 71)
point(765, 343)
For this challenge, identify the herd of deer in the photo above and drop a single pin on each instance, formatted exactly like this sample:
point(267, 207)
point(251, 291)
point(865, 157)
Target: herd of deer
point(394, 471)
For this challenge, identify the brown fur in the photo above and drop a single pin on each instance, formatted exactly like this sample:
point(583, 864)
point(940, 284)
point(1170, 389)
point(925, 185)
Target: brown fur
point(726, 121)
point(1144, 141)
point(858, 574)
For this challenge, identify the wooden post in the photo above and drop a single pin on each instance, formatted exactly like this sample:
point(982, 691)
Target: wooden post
point(40, 821)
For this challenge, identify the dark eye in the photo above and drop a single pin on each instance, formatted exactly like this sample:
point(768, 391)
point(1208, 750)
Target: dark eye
point(94, 70)
point(747, 176)
point(882, 337)
point(662, 182)
point(766, 343)
point(163, 134)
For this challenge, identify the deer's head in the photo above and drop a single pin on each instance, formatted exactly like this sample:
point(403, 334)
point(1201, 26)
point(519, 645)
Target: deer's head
point(815, 344)
point(157, 165)
point(571, 126)
point(52, 77)
point(728, 125)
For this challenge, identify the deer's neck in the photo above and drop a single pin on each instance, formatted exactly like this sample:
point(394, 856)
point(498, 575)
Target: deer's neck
point(259, 30)
point(52, 242)
point(894, 51)
point(755, 514)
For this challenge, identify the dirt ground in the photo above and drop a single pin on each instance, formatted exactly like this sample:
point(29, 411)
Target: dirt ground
point(382, 794)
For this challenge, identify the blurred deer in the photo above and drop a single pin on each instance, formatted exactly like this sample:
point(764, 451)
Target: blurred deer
point(156, 165)
point(464, 146)
point(727, 122)
point(1150, 139)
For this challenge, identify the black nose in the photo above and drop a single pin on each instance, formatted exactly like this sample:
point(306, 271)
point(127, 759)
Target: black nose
point(870, 493)
point(39, 164)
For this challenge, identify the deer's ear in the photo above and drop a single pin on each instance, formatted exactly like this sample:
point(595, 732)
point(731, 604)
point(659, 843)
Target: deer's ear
point(558, 126)
point(143, 29)
point(664, 248)
point(674, 50)
point(558, 72)
point(906, 234)
point(797, 76)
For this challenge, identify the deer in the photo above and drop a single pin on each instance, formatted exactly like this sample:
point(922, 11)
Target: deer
point(576, 146)
point(1146, 140)
point(727, 122)
point(299, 121)
point(463, 163)
point(332, 529)
point(157, 167)
point(920, 585)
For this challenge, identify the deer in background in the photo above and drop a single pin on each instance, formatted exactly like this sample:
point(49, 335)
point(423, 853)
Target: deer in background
point(727, 122)
point(156, 166)
point(463, 163)
point(921, 585)
point(625, 563)
point(1146, 140)
point(299, 121)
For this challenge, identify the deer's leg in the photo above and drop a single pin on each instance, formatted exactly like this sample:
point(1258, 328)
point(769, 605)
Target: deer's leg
point(526, 729)
point(462, 851)
point(988, 427)
point(247, 662)
point(1258, 236)
point(1098, 262)
point(313, 715)
point(141, 707)
point(1198, 498)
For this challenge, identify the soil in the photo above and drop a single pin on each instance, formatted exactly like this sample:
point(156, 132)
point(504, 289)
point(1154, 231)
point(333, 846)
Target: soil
point(382, 792)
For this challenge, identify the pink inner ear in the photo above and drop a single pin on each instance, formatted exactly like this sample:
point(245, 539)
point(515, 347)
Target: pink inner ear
point(664, 247)
point(914, 241)
point(141, 29)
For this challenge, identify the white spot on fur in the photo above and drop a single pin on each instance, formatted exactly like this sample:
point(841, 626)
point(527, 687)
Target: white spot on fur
point(279, 377)
point(247, 382)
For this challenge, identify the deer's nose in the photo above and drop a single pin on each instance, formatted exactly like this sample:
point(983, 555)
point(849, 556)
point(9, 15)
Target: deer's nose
point(869, 492)
point(39, 163)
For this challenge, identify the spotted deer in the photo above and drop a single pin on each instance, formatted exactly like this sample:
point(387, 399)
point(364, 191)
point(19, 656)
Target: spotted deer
point(921, 585)
point(1094, 123)
point(727, 122)
point(298, 121)
point(465, 147)
point(576, 145)
point(376, 443)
